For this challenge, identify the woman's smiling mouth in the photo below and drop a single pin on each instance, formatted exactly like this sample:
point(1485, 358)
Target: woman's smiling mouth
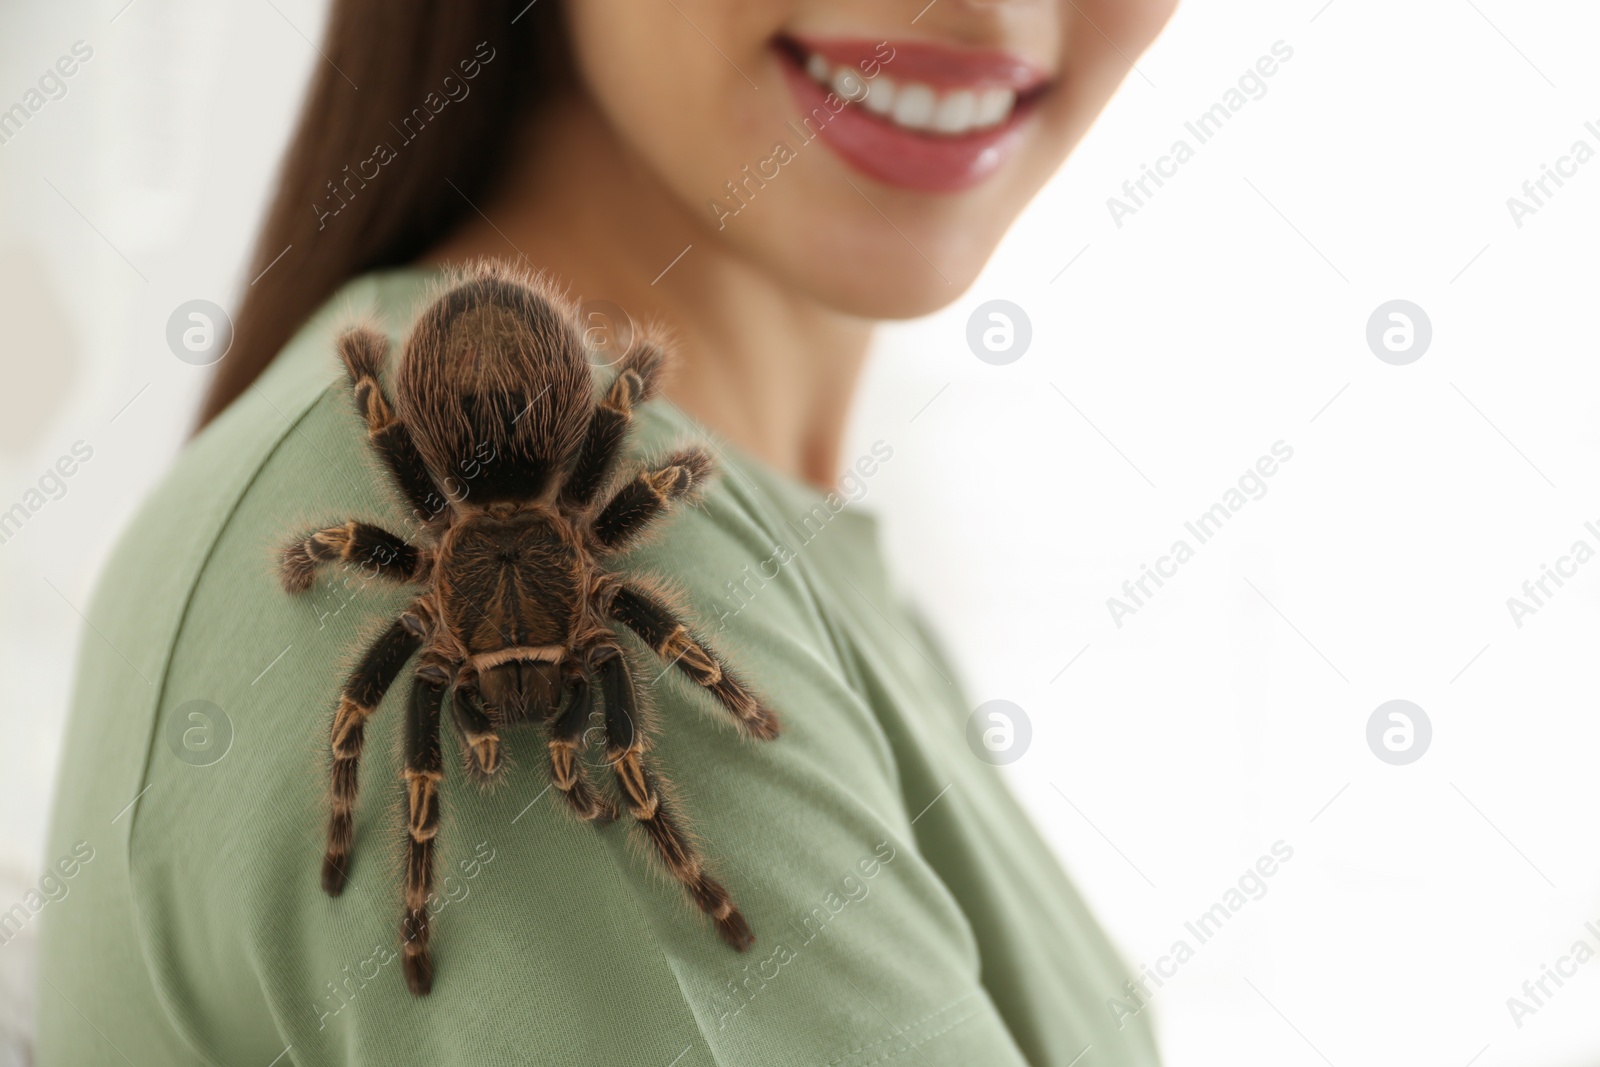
point(918, 115)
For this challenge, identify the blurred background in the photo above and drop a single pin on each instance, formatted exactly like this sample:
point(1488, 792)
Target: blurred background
point(1176, 337)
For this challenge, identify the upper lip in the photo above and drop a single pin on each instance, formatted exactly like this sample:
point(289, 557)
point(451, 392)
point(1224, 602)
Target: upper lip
point(937, 65)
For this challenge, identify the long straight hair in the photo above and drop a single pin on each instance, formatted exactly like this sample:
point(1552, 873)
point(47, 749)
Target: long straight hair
point(406, 123)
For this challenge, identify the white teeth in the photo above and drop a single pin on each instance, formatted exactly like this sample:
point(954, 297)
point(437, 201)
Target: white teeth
point(914, 105)
point(955, 112)
point(993, 106)
point(848, 84)
point(880, 97)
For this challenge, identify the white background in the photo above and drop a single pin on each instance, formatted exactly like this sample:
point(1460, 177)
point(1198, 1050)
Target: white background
point(1229, 313)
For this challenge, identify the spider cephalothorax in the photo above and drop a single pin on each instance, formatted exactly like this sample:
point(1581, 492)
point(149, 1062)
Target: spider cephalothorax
point(515, 605)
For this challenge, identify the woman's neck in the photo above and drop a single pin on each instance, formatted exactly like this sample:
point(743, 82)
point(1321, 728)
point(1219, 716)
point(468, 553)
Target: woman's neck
point(766, 367)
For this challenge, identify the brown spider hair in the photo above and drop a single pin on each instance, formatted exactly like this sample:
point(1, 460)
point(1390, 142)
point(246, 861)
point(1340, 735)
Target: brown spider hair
point(479, 345)
point(397, 52)
point(517, 602)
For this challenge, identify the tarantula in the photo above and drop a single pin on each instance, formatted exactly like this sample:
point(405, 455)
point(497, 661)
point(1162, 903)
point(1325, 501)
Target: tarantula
point(512, 617)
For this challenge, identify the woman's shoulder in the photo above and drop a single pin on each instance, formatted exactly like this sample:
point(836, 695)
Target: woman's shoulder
point(206, 713)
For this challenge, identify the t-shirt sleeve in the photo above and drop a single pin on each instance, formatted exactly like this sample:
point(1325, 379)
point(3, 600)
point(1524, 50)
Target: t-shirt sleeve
point(554, 941)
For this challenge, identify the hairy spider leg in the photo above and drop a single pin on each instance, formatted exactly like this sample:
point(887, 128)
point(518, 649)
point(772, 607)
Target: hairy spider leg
point(670, 638)
point(625, 750)
point(566, 727)
point(389, 555)
point(424, 768)
point(649, 495)
point(364, 351)
point(635, 383)
point(362, 693)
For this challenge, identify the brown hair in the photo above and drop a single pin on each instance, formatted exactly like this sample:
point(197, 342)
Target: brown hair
point(331, 217)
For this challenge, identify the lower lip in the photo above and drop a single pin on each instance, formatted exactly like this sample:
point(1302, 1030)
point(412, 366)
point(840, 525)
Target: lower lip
point(897, 156)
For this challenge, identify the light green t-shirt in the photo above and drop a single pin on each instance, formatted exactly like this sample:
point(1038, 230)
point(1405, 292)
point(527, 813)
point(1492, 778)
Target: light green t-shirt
point(905, 909)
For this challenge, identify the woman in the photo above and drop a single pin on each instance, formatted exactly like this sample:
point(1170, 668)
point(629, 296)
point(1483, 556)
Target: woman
point(765, 180)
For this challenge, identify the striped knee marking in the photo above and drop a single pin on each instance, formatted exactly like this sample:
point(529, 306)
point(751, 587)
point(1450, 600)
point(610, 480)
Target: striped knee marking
point(567, 774)
point(422, 802)
point(681, 648)
point(642, 798)
point(625, 391)
point(373, 406)
point(564, 764)
point(349, 722)
point(485, 749)
point(333, 543)
point(669, 482)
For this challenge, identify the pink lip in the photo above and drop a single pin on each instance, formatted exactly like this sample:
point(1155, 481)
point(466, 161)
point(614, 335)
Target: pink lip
point(934, 163)
point(936, 65)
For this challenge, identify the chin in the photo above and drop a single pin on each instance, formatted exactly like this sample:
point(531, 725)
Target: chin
point(919, 255)
point(885, 287)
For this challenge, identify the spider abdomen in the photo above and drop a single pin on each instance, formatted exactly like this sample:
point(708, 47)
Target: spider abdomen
point(495, 361)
